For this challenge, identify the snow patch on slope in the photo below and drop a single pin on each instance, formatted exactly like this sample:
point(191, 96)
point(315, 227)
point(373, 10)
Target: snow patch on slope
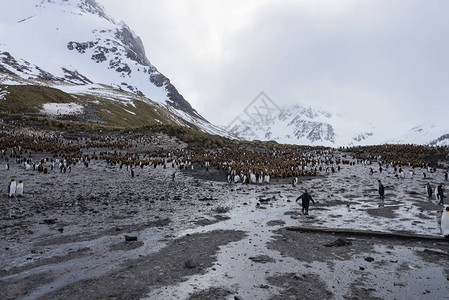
point(3, 93)
point(61, 109)
point(77, 42)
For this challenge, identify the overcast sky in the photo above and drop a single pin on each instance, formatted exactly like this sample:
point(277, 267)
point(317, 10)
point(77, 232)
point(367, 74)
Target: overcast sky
point(384, 60)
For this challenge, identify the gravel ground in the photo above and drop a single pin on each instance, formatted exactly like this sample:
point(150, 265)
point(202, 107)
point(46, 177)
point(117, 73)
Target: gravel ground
point(97, 233)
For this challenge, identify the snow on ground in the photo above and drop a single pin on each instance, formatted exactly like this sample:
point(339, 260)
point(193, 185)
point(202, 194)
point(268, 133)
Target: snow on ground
point(61, 109)
point(3, 93)
point(130, 112)
point(204, 125)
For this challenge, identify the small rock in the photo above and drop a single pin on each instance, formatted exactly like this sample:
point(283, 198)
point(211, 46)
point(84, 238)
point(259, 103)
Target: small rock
point(50, 221)
point(129, 238)
point(262, 259)
point(190, 263)
point(369, 259)
point(222, 209)
point(61, 229)
point(338, 243)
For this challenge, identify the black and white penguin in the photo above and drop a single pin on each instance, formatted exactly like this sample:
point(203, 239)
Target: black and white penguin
point(381, 190)
point(437, 197)
point(253, 178)
point(19, 188)
point(12, 188)
point(267, 178)
point(445, 222)
point(440, 193)
point(429, 190)
point(236, 178)
point(294, 181)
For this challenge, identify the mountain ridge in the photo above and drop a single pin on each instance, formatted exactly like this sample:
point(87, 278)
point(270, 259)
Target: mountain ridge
point(100, 51)
point(298, 124)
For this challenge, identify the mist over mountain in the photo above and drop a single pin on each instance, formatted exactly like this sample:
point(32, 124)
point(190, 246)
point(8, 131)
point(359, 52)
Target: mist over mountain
point(298, 124)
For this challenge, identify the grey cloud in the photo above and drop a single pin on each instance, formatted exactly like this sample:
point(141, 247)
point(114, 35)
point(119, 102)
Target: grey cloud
point(374, 60)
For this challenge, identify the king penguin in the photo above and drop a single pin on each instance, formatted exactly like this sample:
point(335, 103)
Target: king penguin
point(12, 188)
point(381, 190)
point(437, 197)
point(19, 189)
point(294, 181)
point(445, 222)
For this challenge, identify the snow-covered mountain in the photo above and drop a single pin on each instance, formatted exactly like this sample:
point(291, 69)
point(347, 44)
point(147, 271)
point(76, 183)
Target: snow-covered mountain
point(74, 45)
point(426, 134)
point(298, 124)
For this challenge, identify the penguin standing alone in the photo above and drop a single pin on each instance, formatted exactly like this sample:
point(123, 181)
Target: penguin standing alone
point(305, 201)
point(429, 190)
point(440, 194)
point(381, 190)
point(294, 181)
point(12, 188)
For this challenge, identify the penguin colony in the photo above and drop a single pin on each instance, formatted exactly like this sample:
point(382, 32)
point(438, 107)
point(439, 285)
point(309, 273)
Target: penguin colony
point(247, 165)
point(241, 165)
point(244, 165)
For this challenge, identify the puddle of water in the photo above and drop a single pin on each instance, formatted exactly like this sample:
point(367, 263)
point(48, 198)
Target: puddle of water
point(90, 266)
point(395, 273)
point(234, 270)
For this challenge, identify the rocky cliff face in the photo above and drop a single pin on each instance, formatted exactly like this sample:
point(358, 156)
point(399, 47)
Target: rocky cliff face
point(293, 124)
point(298, 124)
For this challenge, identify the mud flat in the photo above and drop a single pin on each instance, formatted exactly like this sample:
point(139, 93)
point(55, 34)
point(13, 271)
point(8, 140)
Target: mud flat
point(97, 233)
